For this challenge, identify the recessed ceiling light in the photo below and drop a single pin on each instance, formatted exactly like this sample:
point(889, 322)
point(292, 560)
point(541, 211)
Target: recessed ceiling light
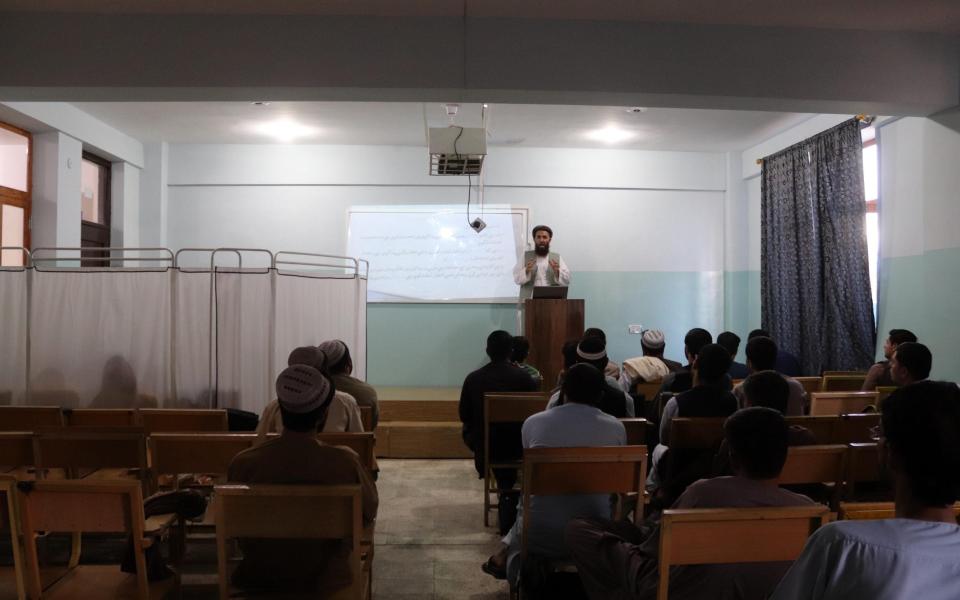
point(611, 134)
point(637, 109)
point(260, 103)
point(284, 129)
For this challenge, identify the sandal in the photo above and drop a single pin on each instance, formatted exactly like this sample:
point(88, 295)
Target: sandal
point(490, 568)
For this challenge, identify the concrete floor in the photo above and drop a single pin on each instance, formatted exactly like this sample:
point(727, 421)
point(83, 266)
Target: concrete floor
point(430, 538)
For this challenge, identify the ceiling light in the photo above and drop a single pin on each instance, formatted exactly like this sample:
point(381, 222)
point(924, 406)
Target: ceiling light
point(636, 110)
point(284, 130)
point(260, 103)
point(611, 134)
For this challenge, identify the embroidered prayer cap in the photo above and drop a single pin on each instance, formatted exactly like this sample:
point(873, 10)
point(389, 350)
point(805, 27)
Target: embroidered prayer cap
point(653, 339)
point(302, 389)
point(543, 228)
point(311, 356)
point(335, 351)
point(592, 348)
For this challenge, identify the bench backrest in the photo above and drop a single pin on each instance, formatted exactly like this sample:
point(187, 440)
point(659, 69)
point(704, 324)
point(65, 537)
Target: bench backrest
point(179, 420)
point(841, 403)
point(100, 417)
point(843, 383)
point(586, 470)
point(734, 535)
point(696, 433)
point(28, 418)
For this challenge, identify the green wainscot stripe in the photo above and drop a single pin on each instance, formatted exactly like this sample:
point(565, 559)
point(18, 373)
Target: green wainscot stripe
point(922, 294)
point(427, 345)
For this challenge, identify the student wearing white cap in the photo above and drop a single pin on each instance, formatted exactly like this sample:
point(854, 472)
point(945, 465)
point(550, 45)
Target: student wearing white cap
point(651, 367)
point(340, 367)
point(304, 397)
point(343, 414)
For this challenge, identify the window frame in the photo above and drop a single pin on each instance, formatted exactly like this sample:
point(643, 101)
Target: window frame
point(19, 198)
point(93, 234)
point(871, 202)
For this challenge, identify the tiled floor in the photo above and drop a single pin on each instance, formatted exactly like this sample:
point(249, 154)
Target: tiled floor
point(430, 539)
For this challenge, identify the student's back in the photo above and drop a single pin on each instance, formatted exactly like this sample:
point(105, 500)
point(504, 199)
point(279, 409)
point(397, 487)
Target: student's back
point(887, 559)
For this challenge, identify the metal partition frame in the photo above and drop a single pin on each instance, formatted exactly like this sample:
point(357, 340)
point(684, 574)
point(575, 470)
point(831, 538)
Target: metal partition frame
point(34, 263)
point(38, 258)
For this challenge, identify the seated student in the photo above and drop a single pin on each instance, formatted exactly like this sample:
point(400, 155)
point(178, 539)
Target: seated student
point(914, 555)
point(651, 367)
point(731, 342)
point(879, 373)
point(762, 356)
point(767, 389)
point(343, 414)
point(612, 369)
point(911, 362)
point(617, 560)
point(340, 367)
point(297, 457)
point(671, 471)
point(568, 352)
point(709, 398)
point(614, 401)
point(682, 380)
point(577, 422)
point(521, 349)
point(499, 375)
point(786, 363)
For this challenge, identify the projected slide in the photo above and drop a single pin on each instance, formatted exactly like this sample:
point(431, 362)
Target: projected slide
point(430, 253)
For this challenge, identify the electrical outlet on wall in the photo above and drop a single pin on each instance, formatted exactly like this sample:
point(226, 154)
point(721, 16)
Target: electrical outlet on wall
point(635, 328)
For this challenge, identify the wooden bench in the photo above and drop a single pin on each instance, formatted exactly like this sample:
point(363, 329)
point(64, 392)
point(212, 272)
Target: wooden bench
point(11, 577)
point(863, 466)
point(620, 470)
point(636, 430)
point(296, 512)
point(816, 464)
point(88, 506)
point(696, 433)
point(173, 420)
point(734, 535)
point(420, 423)
point(862, 511)
point(840, 403)
point(810, 384)
point(28, 418)
point(838, 429)
point(501, 409)
point(843, 383)
point(100, 417)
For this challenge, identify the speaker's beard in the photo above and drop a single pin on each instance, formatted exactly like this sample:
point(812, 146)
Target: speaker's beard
point(542, 249)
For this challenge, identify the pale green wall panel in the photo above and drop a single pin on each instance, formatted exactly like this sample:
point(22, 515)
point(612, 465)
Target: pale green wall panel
point(438, 344)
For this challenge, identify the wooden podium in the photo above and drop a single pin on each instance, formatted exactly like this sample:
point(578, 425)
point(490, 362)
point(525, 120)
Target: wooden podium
point(548, 324)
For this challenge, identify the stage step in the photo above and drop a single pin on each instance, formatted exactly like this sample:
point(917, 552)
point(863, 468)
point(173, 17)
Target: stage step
point(420, 439)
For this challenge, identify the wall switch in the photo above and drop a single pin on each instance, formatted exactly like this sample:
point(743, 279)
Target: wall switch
point(635, 328)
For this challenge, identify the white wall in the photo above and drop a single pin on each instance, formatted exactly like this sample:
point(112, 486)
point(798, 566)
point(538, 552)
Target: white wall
point(96, 135)
point(610, 210)
point(124, 206)
point(56, 190)
point(153, 196)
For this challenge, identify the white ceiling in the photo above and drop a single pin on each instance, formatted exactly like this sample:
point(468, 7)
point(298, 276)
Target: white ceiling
point(404, 124)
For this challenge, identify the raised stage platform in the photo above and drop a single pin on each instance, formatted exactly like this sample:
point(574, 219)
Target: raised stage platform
point(419, 423)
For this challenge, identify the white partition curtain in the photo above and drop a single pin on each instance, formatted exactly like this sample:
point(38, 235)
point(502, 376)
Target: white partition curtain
point(100, 338)
point(308, 312)
point(115, 338)
point(13, 335)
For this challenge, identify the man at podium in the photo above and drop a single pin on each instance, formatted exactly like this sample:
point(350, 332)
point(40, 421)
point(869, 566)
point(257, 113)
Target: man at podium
point(540, 267)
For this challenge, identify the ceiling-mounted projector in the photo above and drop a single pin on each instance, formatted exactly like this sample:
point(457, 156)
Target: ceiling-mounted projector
point(457, 150)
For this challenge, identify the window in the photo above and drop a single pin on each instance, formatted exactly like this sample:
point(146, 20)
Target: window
point(94, 207)
point(871, 192)
point(15, 186)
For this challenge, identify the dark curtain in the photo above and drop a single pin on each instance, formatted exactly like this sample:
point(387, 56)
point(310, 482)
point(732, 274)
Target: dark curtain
point(815, 276)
